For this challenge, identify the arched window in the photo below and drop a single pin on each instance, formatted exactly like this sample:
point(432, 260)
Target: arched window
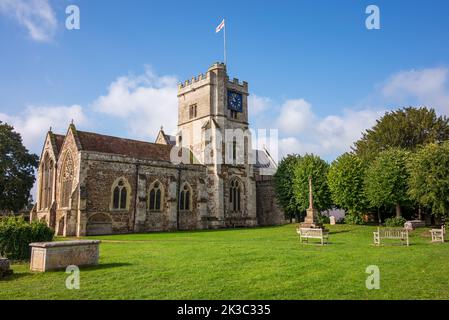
point(155, 197)
point(120, 196)
point(235, 196)
point(185, 198)
point(67, 175)
point(46, 184)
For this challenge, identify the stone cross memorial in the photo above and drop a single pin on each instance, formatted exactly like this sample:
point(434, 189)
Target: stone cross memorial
point(311, 220)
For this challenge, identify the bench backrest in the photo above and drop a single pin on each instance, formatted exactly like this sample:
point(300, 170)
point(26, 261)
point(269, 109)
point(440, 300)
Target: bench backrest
point(391, 233)
point(309, 232)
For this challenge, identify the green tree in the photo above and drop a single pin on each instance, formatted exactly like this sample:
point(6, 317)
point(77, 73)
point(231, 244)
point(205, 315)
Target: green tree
point(345, 178)
point(429, 177)
point(283, 180)
point(17, 167)
point(406, 128)
point(314, 166)
point(386, 180)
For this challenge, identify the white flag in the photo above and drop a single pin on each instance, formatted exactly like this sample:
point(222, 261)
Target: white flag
point(220, 26)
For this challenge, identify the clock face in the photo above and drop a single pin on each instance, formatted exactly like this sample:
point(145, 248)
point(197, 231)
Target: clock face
point(235, 101)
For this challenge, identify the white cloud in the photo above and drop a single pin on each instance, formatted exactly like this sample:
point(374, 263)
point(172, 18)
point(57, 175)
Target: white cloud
point(295, 116)
point(302, 131)
point(35, 121)
point(426, 87)
point(37, 16)
point(257, 104)
point(329, 136)
point(146, 102)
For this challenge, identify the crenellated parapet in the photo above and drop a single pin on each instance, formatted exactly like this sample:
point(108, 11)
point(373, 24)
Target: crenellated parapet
point(237, 85)
point(192, 81)
point(206, 78)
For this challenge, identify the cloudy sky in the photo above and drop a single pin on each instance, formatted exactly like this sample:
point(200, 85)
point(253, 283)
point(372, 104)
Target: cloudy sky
point(316, 73)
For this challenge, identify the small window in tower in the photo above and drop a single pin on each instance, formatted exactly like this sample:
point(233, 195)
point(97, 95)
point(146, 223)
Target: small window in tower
point(192, 111)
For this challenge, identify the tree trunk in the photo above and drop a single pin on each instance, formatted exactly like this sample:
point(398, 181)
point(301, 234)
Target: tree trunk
point(398, 210)
point(379, 217)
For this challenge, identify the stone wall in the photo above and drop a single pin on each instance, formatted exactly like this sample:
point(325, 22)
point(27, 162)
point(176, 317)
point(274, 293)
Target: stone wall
point(268, 211)
point(141, 175)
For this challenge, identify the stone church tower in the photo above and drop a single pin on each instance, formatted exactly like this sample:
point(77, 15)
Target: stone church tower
point(213, 125)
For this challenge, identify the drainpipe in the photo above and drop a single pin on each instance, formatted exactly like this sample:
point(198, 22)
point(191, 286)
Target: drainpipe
point(178, 190)
point(135, 198)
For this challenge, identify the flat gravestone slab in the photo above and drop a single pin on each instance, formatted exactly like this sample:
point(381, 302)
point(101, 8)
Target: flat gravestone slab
point(56, 255)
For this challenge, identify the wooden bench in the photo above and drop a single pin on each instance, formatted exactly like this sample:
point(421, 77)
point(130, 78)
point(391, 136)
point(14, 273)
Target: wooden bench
point(310, 233)
point(438, 234)
point(391, 233)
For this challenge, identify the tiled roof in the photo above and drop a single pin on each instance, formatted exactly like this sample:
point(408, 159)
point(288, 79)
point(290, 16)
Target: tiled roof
point(59, 140)
point(126, 147)
point(261, 159)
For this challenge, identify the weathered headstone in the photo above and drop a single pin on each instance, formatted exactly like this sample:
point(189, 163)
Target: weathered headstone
point(412, 225)
point(4, 267)
point(332, 220)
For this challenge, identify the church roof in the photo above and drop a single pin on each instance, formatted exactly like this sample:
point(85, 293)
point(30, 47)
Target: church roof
point(59, 140)
point(166, 138)
point(132, 148)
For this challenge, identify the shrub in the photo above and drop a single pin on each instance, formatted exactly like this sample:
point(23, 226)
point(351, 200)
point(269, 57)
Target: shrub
point(395, 222)
point(16, 234)
point(354, 219)
point(323, 219)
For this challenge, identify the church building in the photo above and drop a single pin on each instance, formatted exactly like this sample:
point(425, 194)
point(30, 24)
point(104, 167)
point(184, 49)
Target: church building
point(206, 177)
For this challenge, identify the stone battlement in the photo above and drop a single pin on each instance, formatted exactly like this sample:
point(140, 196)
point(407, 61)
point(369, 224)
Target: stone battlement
point(194, 80)
point(203, 76)
point(236, 82)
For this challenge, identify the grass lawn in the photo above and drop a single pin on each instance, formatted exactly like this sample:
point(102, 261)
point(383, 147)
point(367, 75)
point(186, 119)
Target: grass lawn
point(261, 263)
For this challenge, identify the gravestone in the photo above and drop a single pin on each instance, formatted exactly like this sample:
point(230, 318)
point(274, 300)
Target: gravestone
point(4, 267)
point(332, 220)
point(412, 225)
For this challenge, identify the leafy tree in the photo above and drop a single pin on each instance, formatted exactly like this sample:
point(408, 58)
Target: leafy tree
point(314, 166)
point(406, 128)
point(345, 179)
point(429, 177)
point(16, 170)
point(283, 180)
point(386, 180)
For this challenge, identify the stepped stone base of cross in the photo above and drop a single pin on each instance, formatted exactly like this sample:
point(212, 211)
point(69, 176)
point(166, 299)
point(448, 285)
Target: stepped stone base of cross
point(311, 220)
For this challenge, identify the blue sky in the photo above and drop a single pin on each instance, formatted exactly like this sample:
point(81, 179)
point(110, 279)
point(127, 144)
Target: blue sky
point(315, 72)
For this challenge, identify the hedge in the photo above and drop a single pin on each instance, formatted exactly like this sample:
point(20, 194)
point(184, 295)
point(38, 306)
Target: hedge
point(16, 234)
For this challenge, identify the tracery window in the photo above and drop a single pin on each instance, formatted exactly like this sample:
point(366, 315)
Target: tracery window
point(67, 175)
point(185, 198)
point(120, 195)
point(235, 195)
point(155, 197)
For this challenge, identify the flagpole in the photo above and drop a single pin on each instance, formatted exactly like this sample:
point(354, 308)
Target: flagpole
point(225, 62)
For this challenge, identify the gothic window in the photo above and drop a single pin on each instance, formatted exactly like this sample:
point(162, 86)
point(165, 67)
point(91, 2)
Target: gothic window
point(234, 114)
point(185, 198)
point(235, 196)
point(67, 175)
point(46, 183)
point(234, 149)
point(155, 197)
point(120, 195)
